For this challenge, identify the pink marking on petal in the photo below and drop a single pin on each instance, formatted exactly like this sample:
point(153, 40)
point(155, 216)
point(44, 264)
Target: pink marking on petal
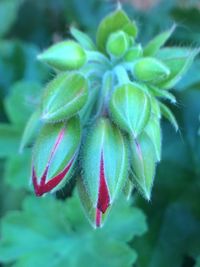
point(58, 141)
point(98, 217)
point(103, 195)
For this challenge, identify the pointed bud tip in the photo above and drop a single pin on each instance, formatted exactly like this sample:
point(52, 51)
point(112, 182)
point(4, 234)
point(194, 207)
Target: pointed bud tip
point(147, 195)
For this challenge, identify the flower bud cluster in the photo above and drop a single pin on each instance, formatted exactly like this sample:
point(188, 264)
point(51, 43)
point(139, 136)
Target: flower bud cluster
point(101, 114)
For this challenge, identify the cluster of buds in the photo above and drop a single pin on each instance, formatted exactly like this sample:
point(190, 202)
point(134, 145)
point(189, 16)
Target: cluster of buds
point(101, 113)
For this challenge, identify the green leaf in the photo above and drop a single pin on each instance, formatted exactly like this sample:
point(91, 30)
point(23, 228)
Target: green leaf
point(154, 45)
point(115, 21)
point(8, 14)
point(24, 96)
point(47, 227)
point(18, 62)
point(123, 99)
point(175, 231)
point(18, 171)
point(83, 39)
point(9, 140)
point(167, 114)
point(197, 262)
point(178, 60)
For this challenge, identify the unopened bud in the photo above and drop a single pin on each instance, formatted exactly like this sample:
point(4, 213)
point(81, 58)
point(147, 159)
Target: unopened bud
point(54, 155)
point(66, 55)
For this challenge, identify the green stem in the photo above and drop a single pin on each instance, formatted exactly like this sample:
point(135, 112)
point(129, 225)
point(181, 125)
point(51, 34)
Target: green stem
point(121, 74)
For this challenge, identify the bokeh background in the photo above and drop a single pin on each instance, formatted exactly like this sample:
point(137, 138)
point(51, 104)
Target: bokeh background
point(53, 232)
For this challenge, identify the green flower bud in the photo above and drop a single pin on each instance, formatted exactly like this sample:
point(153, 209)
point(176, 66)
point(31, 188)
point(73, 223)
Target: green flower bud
point(130, 108)
point(105, 165)
point(143, 163)
point(64, 97)
point(153, 130)
point(133, 53)
point(128, 188)
point(66, 55)
point(54, 155)
point(150, 70)
point(117, 44)
point(116, 21)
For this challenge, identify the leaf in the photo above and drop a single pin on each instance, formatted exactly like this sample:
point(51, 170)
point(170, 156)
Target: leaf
point(18, 171)
point(181, 235)
point(8, 14)
point(197, 262)
point(18, 62)
point(9, 140)
point(47, 231)
point(154, 45)
point(115, 21)
point(166, 112)
point(83, 39)
point(24, 96)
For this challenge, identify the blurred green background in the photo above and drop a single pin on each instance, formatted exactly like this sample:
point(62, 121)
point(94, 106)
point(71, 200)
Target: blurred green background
point(53, 232)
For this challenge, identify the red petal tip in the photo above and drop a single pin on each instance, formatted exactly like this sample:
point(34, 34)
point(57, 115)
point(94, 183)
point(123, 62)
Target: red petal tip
point(103, 196)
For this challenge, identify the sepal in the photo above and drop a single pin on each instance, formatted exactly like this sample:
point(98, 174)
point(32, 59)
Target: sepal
point(143, 164)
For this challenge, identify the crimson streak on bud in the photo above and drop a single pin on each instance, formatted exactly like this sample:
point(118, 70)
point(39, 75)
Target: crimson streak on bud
point(54, 154)
point(44, 187)
point(105, 167)
point(103, 196)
